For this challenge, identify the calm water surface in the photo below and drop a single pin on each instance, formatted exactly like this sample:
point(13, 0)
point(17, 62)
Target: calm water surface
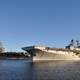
point(24, 70)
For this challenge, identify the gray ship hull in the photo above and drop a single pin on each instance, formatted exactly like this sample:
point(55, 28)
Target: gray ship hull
point(48, 56)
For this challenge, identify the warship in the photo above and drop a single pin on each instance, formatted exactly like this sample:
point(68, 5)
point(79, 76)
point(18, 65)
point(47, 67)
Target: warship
point(42, 53)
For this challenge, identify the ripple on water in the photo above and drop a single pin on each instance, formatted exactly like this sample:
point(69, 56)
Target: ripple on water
point(24, 70)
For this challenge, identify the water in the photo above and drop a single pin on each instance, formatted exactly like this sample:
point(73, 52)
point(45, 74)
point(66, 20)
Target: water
point(24, 70)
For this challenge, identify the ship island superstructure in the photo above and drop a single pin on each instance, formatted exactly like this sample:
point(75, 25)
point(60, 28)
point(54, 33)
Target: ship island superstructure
point(40, 53)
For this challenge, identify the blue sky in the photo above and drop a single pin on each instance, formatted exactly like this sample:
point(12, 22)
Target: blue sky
point(48, 22)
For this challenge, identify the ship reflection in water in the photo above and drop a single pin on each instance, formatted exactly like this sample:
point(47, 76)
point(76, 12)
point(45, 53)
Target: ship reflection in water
point(24, 70)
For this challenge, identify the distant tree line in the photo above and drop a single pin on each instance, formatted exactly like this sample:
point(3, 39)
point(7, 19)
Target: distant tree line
point(13, 54)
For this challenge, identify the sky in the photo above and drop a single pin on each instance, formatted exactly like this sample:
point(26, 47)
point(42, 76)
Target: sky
point(30, 22)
